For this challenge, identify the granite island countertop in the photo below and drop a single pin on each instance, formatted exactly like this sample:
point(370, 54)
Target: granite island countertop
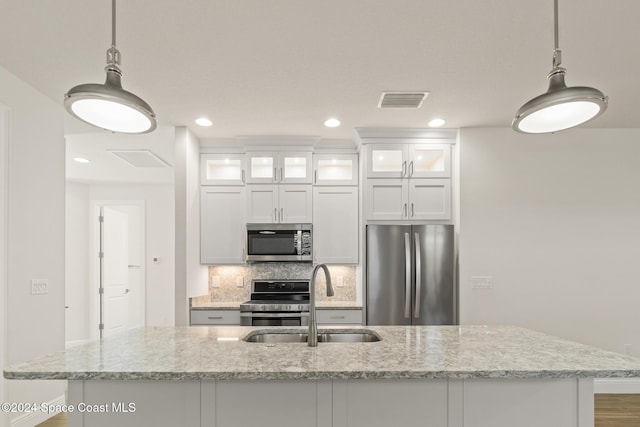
point(189, 353)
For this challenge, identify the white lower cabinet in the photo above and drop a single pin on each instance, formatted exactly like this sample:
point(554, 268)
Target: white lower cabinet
point(339, 316)
point(222, 225)
point(215, 317)
point(335, 225)
point(481, 402)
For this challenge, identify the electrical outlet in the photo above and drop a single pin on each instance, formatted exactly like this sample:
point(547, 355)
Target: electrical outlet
point(481, 282)
point(240, 281)
point(215, 282)
point(39, 286)
point(340, 281)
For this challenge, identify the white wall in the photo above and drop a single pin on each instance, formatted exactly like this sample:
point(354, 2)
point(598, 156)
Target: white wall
point(555, 220)
point(35, 238)
point(4, 167)
point(191, 278)
point(77, 262)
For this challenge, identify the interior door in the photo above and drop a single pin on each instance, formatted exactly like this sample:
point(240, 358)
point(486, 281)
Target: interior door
point(115, 270)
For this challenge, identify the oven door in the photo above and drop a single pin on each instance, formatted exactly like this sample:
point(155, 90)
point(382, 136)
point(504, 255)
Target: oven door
point(274, 319)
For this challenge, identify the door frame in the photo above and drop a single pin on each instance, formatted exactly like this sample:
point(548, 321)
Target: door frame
point(94, 261)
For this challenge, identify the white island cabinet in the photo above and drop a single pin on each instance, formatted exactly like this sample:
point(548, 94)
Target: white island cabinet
point(443, 376)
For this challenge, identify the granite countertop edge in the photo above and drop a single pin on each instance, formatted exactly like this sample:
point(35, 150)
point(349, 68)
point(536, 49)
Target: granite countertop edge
point(405, 352)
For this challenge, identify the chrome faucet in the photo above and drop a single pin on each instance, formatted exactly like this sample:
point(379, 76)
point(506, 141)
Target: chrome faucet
point(312, 340)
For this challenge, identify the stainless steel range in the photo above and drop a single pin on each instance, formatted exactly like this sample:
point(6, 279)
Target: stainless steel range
point(276, 303)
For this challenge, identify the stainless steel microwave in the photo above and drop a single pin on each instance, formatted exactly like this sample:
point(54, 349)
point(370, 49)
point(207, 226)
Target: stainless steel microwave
point(279, 243)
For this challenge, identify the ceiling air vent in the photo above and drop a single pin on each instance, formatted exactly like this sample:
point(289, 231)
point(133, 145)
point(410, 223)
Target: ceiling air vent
point(140, 158)
point(402, 99)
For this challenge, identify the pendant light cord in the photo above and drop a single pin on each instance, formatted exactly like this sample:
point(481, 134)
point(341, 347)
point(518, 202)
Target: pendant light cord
point(113, 23)
point(113, 54)
point(557, 55)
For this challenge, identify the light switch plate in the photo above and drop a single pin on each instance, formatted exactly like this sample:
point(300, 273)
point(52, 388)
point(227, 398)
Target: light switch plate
point(240, 281)
point(481, 282)
point(39, 286)
point(340, 281)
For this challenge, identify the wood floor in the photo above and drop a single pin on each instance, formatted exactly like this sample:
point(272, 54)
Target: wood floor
point(617, 410)
point(612, 410)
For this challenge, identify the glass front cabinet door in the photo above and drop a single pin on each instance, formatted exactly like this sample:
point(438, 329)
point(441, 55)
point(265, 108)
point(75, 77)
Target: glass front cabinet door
point(276, 168)
point(222, 169)
point(335, 169)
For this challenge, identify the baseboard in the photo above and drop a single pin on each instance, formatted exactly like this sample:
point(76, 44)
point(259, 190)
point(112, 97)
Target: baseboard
point(616, 386)
point(34, 418)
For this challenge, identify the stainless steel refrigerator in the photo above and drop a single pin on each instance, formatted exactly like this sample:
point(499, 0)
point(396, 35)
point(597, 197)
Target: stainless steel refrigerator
point(410, 275)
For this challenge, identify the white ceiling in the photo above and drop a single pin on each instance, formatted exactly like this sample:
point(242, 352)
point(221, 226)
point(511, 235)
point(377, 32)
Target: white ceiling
point(281, 67)
point(105, 167)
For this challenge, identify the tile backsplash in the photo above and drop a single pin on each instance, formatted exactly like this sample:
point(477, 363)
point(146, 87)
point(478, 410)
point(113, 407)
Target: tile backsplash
point(224, 281)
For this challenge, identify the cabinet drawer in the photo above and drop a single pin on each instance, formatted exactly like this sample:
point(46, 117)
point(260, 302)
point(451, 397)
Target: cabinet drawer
point(215, 317)
point(339, 317)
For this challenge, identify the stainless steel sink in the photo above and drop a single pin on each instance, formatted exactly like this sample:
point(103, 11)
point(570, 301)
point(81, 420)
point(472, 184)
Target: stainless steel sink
point(269, 336)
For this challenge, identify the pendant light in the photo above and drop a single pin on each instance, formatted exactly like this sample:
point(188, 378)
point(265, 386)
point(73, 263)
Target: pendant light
point(107, 105)
point(561, 107)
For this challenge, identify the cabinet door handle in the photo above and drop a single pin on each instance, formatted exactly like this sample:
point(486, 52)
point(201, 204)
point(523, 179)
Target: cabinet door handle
point(214, 317)
point(404, 168)
point(411, 169)
point(315, 176)
point(275, 214)
point(404, 210)
point(411, 210)
point(281, 175)
point(281, 214)
point(275, 175)
point(337, 317)
point(243, 176)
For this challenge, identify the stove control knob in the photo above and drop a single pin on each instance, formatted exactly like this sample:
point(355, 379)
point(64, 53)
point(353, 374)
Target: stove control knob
point(300, 307)
point(263, 307)
point(287, 307)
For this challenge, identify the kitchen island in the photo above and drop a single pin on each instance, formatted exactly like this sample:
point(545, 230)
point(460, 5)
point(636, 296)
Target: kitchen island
point(449, 376)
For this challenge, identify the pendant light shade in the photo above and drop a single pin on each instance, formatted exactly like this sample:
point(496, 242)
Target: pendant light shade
point(561, 107)
point(107, 105)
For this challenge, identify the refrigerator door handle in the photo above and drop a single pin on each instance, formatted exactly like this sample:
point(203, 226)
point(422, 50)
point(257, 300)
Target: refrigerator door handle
point(416, 310)
point(407, 276)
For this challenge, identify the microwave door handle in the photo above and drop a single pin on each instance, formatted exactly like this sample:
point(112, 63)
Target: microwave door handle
point(299, 245)
point(416, 311)
point(407, 277)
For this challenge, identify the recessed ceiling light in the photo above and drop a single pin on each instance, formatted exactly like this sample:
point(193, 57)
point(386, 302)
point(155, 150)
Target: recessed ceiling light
point(80, 160)
point(332, 123)
point(435, 123)
point(203, 121)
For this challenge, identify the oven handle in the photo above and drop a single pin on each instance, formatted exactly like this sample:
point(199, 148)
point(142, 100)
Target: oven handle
point(274, 315)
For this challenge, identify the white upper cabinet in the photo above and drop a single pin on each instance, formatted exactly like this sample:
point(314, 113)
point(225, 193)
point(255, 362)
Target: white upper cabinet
point(409, 161)
point(222, 225)
point(335, 169)
point(222, 169)
point(387, 161)
point(335, 225)
point(279, 167)
point(429, 161)
point(287, 203)
point(409, 199)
